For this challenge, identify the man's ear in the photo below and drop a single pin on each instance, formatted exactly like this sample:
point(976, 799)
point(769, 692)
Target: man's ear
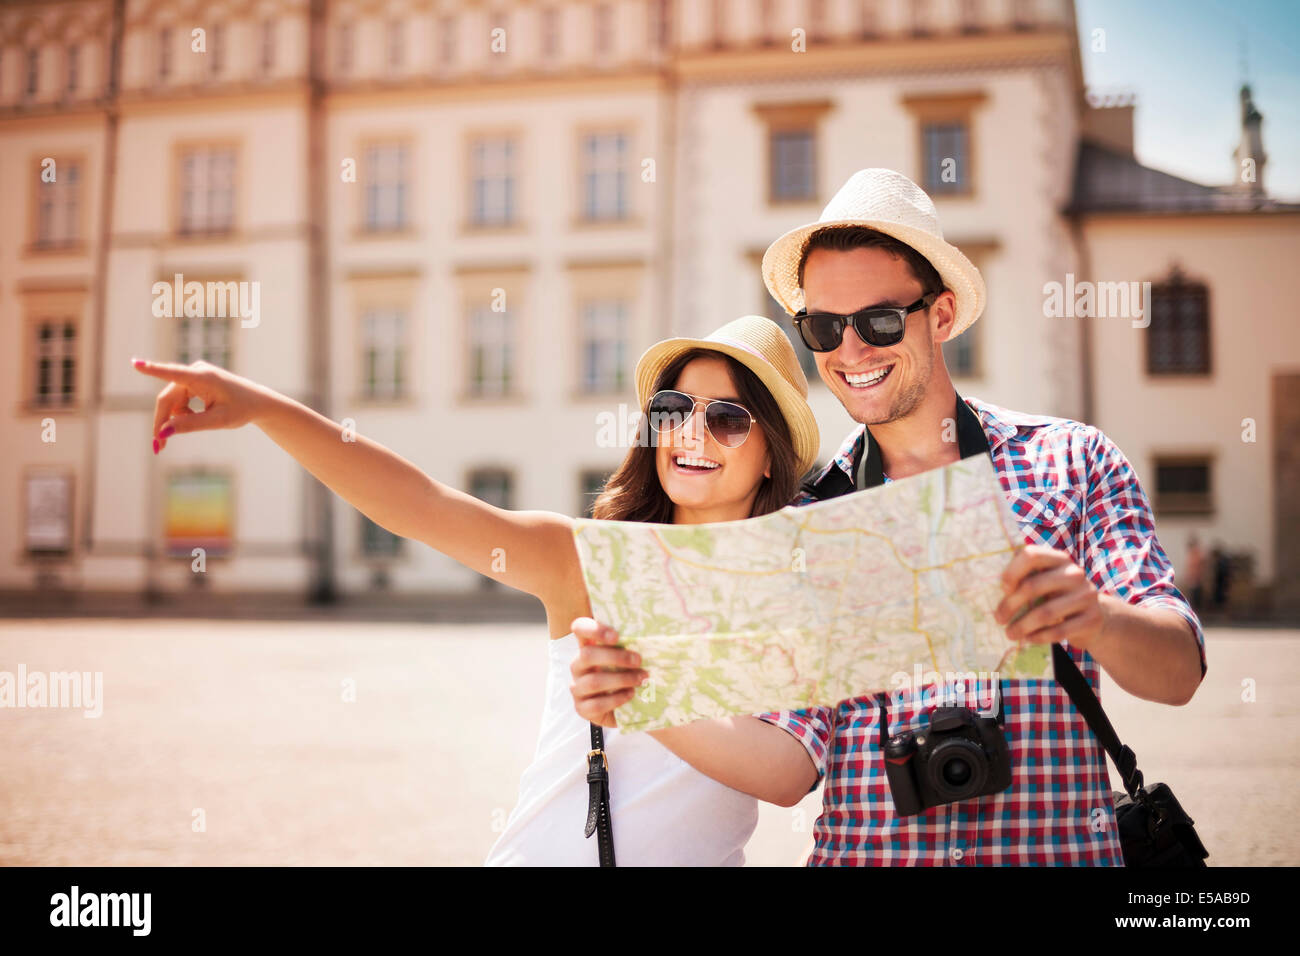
point(943, 315)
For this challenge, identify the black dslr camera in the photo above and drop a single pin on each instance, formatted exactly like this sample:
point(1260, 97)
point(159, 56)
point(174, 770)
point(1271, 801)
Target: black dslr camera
point(961, 755)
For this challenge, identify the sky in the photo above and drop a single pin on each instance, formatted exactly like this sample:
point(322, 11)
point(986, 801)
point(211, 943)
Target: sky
point(1183, 60)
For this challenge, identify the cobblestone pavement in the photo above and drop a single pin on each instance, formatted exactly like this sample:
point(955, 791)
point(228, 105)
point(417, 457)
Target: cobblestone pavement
point(246, 722)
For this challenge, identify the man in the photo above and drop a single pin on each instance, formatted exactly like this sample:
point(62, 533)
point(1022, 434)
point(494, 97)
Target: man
point(1092, 577)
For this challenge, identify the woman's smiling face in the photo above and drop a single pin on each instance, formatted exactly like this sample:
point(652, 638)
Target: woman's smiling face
point(706, 480)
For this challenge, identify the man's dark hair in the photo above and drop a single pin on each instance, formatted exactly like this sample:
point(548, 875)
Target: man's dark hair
point(844, 238)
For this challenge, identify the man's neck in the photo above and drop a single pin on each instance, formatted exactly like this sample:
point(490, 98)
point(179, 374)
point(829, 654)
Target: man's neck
point(925, 439)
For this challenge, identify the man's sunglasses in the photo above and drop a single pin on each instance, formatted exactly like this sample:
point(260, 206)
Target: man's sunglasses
point(878, 326)
point(727, 422)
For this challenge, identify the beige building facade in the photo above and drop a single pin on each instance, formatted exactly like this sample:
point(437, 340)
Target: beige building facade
point(454, 226)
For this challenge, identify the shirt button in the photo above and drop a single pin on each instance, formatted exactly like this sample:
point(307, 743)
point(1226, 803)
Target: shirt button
point(1050, 514)
point(956, 853)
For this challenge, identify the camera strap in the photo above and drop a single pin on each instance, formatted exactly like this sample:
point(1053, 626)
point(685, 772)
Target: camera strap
point(1085, 701)
point(598, 817)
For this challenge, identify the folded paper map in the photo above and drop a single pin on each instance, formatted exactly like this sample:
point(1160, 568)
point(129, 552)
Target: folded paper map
point(812, 605)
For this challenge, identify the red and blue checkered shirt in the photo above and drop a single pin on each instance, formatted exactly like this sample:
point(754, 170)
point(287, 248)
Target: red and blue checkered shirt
point(1071, 489)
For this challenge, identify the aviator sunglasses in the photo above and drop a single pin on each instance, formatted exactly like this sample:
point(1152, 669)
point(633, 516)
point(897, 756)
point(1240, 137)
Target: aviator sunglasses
point(727, 422)
point(877, 325)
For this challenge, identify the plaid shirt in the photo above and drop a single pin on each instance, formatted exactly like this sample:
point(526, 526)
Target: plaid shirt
point(1073, 490)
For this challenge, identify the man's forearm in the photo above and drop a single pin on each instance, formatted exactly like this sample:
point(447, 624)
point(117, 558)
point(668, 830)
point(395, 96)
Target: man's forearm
point(747, 754)
point(1148, 651)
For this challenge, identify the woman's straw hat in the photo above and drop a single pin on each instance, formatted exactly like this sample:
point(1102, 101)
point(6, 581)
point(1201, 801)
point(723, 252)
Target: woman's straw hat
point(761, 346)
point(888, 202)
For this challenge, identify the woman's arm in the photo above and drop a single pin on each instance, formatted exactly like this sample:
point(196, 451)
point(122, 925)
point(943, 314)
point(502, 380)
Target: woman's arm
point(529, 550)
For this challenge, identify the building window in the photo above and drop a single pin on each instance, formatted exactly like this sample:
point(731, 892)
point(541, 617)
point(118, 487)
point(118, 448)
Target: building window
point(492, 181)
point(604, 176)
point(793, 165)
point(550, 33)
point(58, 207)
point(207, 190)
point(767, 22)
point(1183, 485)
point(33, 72)
point(961, 354)
point(493, 485)
point(268, 46)
point(869, 19)
point(604, 337)
point(1022, 14)
point(383, 347)
point(603, 30)
point(198, 513)
point(447, 40)
point(491, 353)
point(496, 487)
point(205, 338)
point(964, 355)
point(660, 25)
point(48, 501)
point(396, 46)
point(498, 39)
point(54, 382)
point(74, 55)
point(792, 149)
point(1178, 340)
point(343, 52)
point(591, 482)
point(164, 54)
point(774, 311)
point(217, 49)
point(946, 156)
point(945, 140)
point(378, 541)
point(386, 186)
point(817, 20)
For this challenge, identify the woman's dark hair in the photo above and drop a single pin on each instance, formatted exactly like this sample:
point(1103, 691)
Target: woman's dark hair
point(633, 492)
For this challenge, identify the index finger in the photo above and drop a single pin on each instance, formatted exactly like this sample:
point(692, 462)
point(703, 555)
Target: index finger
point(170, 371)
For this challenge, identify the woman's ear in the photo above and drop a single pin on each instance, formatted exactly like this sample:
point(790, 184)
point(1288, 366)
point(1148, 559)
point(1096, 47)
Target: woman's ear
point(767, 466)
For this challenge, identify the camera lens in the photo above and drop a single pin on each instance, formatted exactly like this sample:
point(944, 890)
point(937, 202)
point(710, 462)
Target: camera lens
point(957, 769)
point(956, 772)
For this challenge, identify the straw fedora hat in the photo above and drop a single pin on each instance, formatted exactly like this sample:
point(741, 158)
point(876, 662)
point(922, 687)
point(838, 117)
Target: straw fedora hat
point(888, 202)
point(761, 346)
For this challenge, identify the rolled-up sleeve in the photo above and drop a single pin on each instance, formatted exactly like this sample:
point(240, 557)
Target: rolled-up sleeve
point(1121, 553)
point(812, 728)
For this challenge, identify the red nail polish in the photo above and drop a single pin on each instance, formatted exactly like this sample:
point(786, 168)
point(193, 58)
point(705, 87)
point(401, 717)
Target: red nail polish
point(166, 432)
point(155, 446)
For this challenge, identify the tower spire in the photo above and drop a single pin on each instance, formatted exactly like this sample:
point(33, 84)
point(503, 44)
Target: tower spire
point(1249, 154)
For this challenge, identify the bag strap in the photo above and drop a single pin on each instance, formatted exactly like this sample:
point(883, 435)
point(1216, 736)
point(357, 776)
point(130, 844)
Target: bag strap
point(598, 818)
point(1085, 701)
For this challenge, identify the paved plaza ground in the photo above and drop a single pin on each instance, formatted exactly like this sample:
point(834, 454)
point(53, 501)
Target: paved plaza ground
point(247, 722)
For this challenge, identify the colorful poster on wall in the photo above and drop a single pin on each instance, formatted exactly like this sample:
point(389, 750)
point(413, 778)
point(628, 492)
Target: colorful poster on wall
point(200, 513)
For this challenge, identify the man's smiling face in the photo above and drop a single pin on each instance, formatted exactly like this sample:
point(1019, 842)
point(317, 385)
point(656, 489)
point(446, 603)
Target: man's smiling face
point(875, 385)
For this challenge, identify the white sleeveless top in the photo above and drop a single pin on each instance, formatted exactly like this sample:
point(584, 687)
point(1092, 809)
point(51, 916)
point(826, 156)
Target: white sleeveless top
point(664, 811)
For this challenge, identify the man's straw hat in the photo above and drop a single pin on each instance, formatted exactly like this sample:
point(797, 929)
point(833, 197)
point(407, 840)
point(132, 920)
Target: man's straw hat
point(888, 202)
point(761, 346)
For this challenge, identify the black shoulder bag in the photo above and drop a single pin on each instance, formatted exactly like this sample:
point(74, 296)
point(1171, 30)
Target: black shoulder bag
point(1154, 829)
point(598, 819)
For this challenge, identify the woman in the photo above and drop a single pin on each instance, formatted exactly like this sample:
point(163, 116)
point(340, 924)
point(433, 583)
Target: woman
point(731, 434)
